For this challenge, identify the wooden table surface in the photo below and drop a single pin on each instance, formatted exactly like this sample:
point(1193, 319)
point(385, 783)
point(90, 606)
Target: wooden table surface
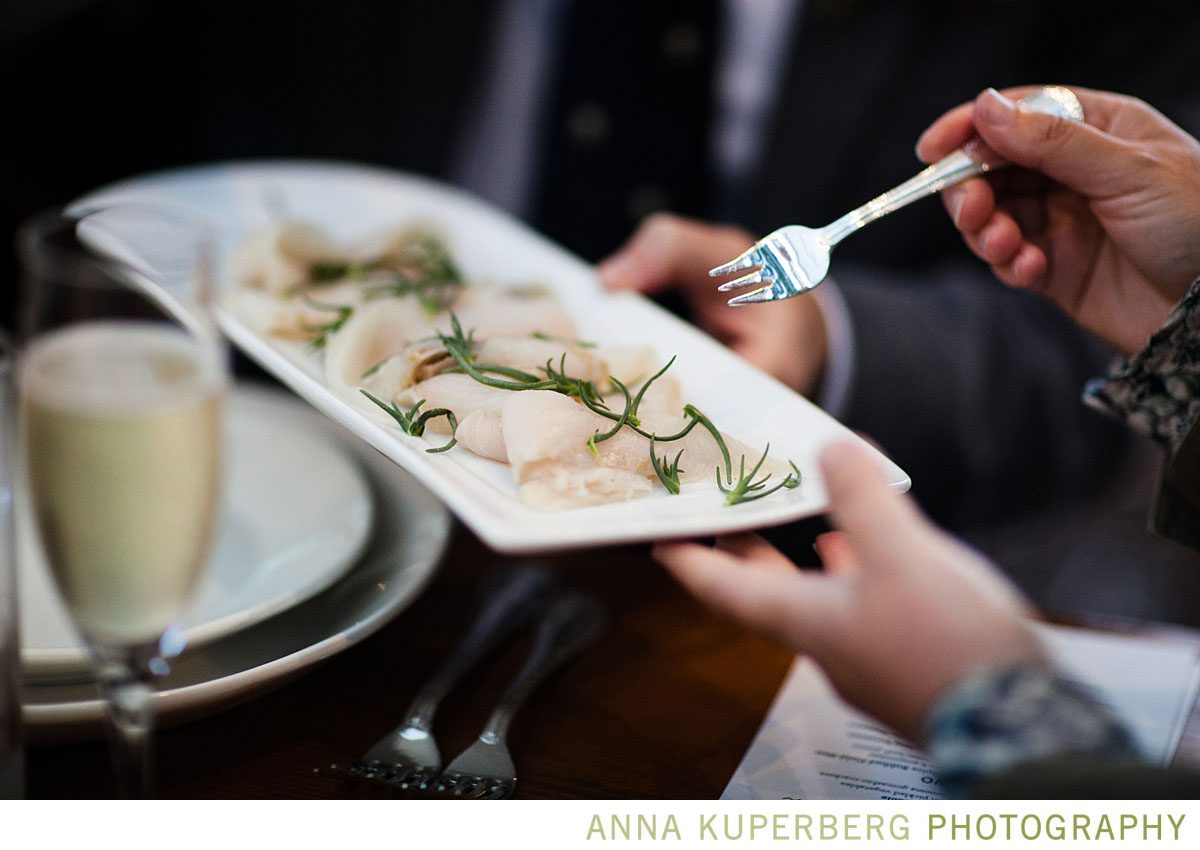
point(663, 707)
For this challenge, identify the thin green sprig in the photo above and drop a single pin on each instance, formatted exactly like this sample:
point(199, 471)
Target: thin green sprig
point(413, 421)
point(668, 472)
point(746, 489)
point(461, 347)
point(419, 266)
point(629, 416)
point(497, 369)
point(327, 272)
point(322, 331)
point(704, 422)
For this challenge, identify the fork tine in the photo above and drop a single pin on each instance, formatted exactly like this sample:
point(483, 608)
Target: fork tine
point(461, 785)
point(365, 769)
point(755, 278)
point(418, 778)
point(758, 296)
point(499, 790)
point(477, 790)
point(747, 259)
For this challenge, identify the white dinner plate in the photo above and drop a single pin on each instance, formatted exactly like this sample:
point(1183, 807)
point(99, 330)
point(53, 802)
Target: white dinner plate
point(353, 201)
point(296, 515)
point(410, 532)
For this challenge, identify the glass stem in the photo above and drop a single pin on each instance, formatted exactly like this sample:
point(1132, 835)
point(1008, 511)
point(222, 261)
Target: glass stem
point(129, 697)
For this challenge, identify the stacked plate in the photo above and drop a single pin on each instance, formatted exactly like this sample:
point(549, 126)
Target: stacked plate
point(321, 542)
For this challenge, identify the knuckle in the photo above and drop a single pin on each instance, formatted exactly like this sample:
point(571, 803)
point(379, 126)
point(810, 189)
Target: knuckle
point(735, 235)
point(1147, 159)
point(660, 231)
point(661, 223)
point(1128, 101)
point(1051, 130)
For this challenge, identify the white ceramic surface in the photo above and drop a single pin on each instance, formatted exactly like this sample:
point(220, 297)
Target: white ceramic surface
point(410, 532)
point(296, 515)
point(354, 201)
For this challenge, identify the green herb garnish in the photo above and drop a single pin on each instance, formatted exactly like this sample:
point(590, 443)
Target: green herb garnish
point(668, 472)
point(460, 346)
point(322, 331)
point(413, 421)
point(703, 421)
point(332, 272)
point(746, 489)
point(373, 369)
point(419, 266)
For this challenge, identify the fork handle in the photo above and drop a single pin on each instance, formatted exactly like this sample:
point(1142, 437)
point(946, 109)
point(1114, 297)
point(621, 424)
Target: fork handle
point(516, 596)
point(971, 160)
point(571, 624)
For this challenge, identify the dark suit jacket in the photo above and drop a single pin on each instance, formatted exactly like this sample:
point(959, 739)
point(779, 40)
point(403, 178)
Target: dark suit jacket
point(973, 388)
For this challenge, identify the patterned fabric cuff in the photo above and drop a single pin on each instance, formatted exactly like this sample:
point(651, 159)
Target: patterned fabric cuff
point(1004, 717)
point(1157, 391)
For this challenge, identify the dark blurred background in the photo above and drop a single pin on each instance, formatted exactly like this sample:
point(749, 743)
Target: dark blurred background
point(584, 116)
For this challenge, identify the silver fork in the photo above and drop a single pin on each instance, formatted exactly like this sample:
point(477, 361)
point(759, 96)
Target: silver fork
point(794, 259)
point(408, 756)
point(485, 770)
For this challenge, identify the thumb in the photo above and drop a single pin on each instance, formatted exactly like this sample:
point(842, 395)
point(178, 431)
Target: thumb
point(651, 258)
point(1078, 155)
point(875, 521)
point(668, 251)
point(836, 554)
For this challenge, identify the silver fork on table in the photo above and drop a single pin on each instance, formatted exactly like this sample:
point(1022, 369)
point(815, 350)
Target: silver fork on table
point(408, 757)
point(794, 259)
point(485, 770)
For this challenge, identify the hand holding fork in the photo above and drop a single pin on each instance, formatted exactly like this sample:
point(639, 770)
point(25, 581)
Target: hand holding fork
point(794, 259)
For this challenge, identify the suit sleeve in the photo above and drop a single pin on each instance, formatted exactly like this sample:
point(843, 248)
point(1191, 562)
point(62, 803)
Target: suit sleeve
point(973, 388)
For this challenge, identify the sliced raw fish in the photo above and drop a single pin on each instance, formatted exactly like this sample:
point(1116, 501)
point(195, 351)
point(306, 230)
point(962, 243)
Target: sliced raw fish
point(482, 432)
point(663, 396)
point(531, 355)
point(279, 258)
point(546, 435)
point(293, 316)
point(459, 393)
point(547, 439)
point(631, 364)
point(497, 312)
point(376, 331)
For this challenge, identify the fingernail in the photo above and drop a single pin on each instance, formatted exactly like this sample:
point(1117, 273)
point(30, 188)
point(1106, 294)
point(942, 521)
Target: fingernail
point(956, 205)
point(836, 454)
point(995, 108)
point(917, 149)
point(614, 271)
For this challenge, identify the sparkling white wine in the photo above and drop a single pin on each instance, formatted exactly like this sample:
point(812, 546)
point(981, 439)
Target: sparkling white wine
point(121, 422)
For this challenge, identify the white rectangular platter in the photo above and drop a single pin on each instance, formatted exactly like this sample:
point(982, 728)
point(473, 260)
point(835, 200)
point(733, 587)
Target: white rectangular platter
point(352, 201)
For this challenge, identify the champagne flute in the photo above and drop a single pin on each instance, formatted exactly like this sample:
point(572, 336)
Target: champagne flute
point(11, 767)
point(121, 381)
